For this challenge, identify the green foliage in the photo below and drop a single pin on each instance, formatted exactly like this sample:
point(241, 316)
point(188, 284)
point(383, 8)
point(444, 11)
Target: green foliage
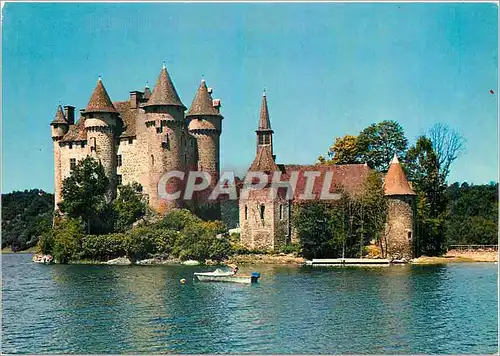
point(473, 214)
point(84, 193)
point(25, 217)
point(103, 247)
point(291, 248)
point(378, 143)
point(343, 151)
point(68, 234)
point(342, 228)
point(129, 206)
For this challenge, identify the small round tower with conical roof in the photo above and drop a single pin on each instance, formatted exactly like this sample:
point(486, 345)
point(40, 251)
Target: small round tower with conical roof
point(166, 126)
point(400, 225)
point(205, 124)
point(101, 121)
point(59, 127)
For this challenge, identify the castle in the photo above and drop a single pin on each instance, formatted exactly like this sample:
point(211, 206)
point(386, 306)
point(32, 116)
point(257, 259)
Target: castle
point(266, 217)
point(140, 139)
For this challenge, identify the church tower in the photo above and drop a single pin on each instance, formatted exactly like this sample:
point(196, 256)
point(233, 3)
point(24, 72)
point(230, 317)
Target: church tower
point(166, 133)
point(59, 128)
point(264, 214)
point(101, 124)
point(205, 124)
point(400, 225)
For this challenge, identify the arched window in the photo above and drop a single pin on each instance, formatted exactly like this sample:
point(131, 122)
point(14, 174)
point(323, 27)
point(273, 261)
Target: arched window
point(281, 211)
point(152, 160)
point(246, 212)
point(262, 210)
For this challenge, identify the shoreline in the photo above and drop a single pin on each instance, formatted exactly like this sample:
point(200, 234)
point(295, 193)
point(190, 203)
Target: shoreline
point(287, 260)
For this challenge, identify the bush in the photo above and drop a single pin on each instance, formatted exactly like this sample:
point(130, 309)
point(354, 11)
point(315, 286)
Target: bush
point(291, 248)
point(103, 247)
point(68, 235)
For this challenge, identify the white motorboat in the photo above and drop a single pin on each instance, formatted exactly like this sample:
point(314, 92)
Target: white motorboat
point(226, 276)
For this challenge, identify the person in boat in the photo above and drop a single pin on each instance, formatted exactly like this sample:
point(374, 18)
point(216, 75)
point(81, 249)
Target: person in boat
point(234, 268)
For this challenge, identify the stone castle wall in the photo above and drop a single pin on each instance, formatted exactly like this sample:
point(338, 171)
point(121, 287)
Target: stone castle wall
point(400, 227)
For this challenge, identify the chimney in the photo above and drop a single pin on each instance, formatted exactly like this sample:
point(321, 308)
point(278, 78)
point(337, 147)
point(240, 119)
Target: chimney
point(216, 104)
point(69, 112)
point(135, 98)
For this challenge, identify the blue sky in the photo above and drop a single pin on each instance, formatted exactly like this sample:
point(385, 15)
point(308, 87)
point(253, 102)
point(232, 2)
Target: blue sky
point(329, 70)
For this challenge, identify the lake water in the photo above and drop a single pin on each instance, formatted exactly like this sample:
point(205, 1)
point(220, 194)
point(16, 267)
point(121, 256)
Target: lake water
point(144, 309)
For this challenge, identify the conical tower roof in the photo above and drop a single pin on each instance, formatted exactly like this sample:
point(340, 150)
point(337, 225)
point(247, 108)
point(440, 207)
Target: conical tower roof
point(264, 161)
point(100, 101)
point(395, 182)
point(264, 122)
point(59, 118)
point(164, 92)
point(202, 103)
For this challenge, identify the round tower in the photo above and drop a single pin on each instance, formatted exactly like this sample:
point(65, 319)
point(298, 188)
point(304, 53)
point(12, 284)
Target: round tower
point(59, 127)
point(400, 225)
point(101, 120)
point(205, 124)
point(165, 124)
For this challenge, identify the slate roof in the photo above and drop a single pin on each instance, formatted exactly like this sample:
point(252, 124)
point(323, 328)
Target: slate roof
point(264, 122)
point(128, 116)
point(100, 101)
point(59, 118)
point(164, 92)
point(76, 132)
point(395, 182)
point(264, 161)
point(202, 103)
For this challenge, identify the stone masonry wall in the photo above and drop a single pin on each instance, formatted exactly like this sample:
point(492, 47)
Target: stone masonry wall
point(400, 227)
point(257, 233)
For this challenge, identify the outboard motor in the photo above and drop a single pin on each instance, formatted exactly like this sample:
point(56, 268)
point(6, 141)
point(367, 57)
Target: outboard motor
point(255, 277)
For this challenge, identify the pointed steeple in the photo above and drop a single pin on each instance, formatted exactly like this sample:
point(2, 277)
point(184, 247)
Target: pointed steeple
point(147, 91)
point(395, 182)
point(100, 101)
point(164, 92)
point(264, 122)
point(202, 103)
point(59, 118)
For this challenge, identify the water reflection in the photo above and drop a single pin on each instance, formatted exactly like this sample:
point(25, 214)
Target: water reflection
point(144, 309)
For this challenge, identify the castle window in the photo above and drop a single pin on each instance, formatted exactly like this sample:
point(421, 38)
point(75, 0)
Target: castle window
point(152, 160)
point(409, 235)
point(119, 160)
point(262, 210)
point(246, 212)
point(264, 139)
point(72, 163)
point(281, 211)
point(130, 140)
point(118, 179)
point(93, 144)
point(82, 144)
point(70, 146)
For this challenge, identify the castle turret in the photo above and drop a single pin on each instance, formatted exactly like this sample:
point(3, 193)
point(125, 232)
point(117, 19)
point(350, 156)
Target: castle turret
point(263, 214)
point(101, 121)
point(59, 127)
point(401, 212)
point(166, 132)
point(205, 124)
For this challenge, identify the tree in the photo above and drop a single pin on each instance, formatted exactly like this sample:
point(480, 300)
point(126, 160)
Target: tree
point(343, 151)
point(374, 210)
point(129, 206)
point(448, 145)
point(378, 143)
point(68, 234)
point(84, 192)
